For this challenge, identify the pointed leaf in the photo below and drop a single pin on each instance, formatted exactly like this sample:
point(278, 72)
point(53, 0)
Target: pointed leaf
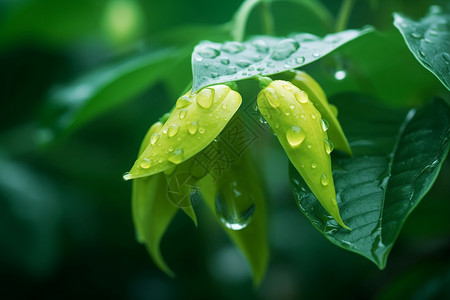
point(396, 158)
point(214, 63)
point(429, 41)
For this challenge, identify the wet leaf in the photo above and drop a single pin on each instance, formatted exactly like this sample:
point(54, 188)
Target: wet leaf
point(214, 63)
point(429, 41)
point(396, 158)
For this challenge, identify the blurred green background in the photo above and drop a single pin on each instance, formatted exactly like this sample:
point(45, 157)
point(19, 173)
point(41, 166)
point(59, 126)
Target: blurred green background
point(65, 219)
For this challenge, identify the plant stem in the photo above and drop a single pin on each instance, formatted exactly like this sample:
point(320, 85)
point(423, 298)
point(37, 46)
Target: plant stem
point(240, 18)
point(267, 18)
point(344, 14)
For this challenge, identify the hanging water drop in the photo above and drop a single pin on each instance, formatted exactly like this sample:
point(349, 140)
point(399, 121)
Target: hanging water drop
point(234, 209)
point(324, 124)
point(295, 136)
point(172, 130)
point(284, 49)
point(328, 146)
point(205, 98)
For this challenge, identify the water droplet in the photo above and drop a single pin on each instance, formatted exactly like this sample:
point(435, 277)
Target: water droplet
point(201, 130)
point(313, 115)
point(146, 163)
point(316, 54)
point(324, 124)
point(301, 96)
point(205, 98)
point(233, 47)
point(214, 75)
point(272, 97)
point(224, 106)
point(173, 130)
point(270, 64)
point(422, 53)
point(257, 58)
point(242, 63)
point(260, 46)
point(339, 75)
point(182, 114)
point(324, 180)
point(416, 35)
point(287, 113)
point(446, 57)
point(432, 32)
point(328, 146)
point(236, 210)
point(313, 165)
point(284, 49)
point(198, 58)
point(207, 52)
point(225, 61)
point(176, 157)
point(183, 101)
point(292, 106)
point(250, 69)
point(277, 125)
point(192, 127)
point(300, 60)
point(295, 136)
point(260, 69)
point(154, 138)
point(231, 70)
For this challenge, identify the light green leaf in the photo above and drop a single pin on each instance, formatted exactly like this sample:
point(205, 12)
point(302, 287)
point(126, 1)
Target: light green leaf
point(396, 158)
point(102, 90)
point(429, 41)
point(214, 63)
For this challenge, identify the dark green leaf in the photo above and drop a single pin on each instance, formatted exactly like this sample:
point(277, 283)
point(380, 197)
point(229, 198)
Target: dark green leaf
point(429, 41)
point(214, 63)
point(397, 156)
point(100, 91)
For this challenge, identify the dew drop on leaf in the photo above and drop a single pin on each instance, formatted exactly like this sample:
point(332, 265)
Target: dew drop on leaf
point(328, 146)
point(242, 63)
point(146, 163)
point(295, 136)
point(237, 212)
point(300, 59)
point(225, 61)
point(324, 124)
point(182, 114)
point(324, 180)
point(233, 47)
point(183, 101)
point(284, 49)
point(231, 70)
point(272, 98)
point(154, 138)
point(192, 127)
point(313, 165)
point(176, 157)
point(301, 96)
point(173, 130)
point(201, 130)
point(260, 46)
point(316, 54)
point(205, 98)
point(208, 52)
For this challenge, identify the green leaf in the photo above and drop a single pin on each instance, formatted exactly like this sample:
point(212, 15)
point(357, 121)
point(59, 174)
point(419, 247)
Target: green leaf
point(252, 239)
point(396, 158)
point(429, 41)
point(214, 63)
point(100, 91)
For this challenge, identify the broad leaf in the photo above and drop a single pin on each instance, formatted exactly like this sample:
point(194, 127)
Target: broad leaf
point(214, 63)
point(396, 158)
point(429, 41)
point(98, 92)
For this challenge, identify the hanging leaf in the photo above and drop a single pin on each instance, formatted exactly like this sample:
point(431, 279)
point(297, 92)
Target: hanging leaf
point(214, 63)
point(429, 41)
point(396, 158)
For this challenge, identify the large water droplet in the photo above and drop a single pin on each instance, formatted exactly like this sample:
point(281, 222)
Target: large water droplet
point(301, 96)
point(205, 98)
point(183, 101)
point(295, 136)
point(328, 146)
point(324, 124)
point(233, 47)
point(154, 138)
point(207, 52)
point(272, 97)
point(192, 127)
point(235, 209)
point(260, 46)
point(284, 49)
point(145, 163)
point(324, 180)
point(242, 63)
point(176, 157)
point(182, 114)
point(173, 130)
